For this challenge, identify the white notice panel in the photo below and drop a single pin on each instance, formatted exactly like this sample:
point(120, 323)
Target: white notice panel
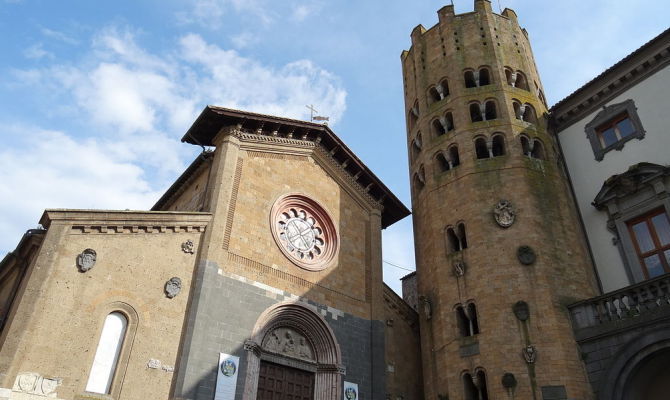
point(350, 391)
point(226, 379)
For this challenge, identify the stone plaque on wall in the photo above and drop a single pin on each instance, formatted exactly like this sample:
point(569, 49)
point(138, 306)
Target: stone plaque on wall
point(226, 377)
point(350, 391)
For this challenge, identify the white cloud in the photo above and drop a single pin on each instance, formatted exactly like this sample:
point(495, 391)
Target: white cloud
point(36, 51)
point(49, 169)
point(58, 35)
point(244, 39)
point(136, 105)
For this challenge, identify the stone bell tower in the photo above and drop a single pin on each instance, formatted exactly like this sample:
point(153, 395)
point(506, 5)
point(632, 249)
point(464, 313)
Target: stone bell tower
point(499, 250)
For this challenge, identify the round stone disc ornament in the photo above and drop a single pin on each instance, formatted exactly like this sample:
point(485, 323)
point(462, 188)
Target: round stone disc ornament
point(526, 255)
point(304, 232)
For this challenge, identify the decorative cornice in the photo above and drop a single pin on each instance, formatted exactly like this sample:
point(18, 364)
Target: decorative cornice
point(107, 222)
point(631, 70)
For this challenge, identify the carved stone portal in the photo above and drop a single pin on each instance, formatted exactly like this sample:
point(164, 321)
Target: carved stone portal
point(504, 213)
point(172, 287)
point(288, 342)
point(30, 382)
point(86, 260)
point(188, 247)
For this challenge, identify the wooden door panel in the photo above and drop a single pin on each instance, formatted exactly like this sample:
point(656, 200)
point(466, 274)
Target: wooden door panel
point(277, 382)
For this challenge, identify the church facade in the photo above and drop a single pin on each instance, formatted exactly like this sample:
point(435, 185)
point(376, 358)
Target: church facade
point(542, 244)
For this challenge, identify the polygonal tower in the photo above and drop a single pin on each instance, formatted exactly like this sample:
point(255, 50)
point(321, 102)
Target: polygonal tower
point(499, 248)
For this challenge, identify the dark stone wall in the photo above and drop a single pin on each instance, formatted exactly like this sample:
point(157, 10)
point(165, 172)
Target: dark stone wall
point(605, 347)
point(222, 315)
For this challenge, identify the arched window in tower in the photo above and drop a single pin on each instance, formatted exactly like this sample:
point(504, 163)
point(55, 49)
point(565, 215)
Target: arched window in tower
point(441, 163)
point(453, 156)
point(510, 76)
point(466, 316)
point(434, 94)
point(470, 390)
point(529, 114)
point(448, 121)
point(461, 236)
point(518, 109)
point(107, 354)
point(438, 128)
point(444, 84)
point(538, 150)
point(491, 111)
point(525, 146)
point(453, 243)
point(521, 81)
point(484, 77)
point(498, 145)
point(481, 149)
point(470, 80)
point(476, 112)
point(420, 178)
point(480, 382)
point(416, 146)
point(413, 115)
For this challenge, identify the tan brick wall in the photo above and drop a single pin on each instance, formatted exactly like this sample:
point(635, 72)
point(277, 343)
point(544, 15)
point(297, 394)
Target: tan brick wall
point(402, 349)
point(57, 325)
point(546, 220)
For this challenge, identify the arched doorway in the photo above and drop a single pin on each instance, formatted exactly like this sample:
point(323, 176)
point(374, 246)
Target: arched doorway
point(641, 370)
point(293, 352)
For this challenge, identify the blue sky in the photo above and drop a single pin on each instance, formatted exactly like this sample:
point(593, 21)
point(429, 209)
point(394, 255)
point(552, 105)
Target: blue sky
point(94, 96)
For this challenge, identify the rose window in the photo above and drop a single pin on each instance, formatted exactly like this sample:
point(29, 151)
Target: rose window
point(304, 232)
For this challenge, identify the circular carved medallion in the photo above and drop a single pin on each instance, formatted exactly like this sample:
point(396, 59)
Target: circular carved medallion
point(304, 232)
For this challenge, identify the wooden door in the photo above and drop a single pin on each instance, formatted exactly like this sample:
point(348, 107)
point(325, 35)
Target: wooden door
point(277, 382)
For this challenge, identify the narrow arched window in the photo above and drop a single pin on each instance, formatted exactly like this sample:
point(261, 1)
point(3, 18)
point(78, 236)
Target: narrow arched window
point(462, 237)
point(434, 94)
point(481, 385)
point(538, 150)
point(498, 145)
point(509, 76)
point(442, 163)
point(484, 77)
point(444, 84)
point(413, 115)
point(418, 182)
point(107, 354)
point(481, 150)
point(529, 114)
point(518, 112)
point(470, 81)
point(475, 112)
point(453, 155)
point(521, 81)
point(474, 386)
point(449, 121)
point(453, 242)
point(491, 112)
point(469, 388)
point(439, 128)
point(525, 146)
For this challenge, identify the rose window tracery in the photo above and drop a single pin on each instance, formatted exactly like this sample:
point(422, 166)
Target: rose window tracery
point(304, 232)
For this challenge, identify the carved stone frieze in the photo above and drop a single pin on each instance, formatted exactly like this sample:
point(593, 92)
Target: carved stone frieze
point(172, 287)
point(504, 213)
point(289, 342)
point(33, 383)
point(86, 260)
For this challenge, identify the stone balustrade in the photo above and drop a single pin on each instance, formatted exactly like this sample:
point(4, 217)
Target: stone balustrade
point(644, 300)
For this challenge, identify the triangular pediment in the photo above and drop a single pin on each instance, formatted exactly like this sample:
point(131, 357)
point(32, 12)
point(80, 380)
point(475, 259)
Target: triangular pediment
point(629, 182)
